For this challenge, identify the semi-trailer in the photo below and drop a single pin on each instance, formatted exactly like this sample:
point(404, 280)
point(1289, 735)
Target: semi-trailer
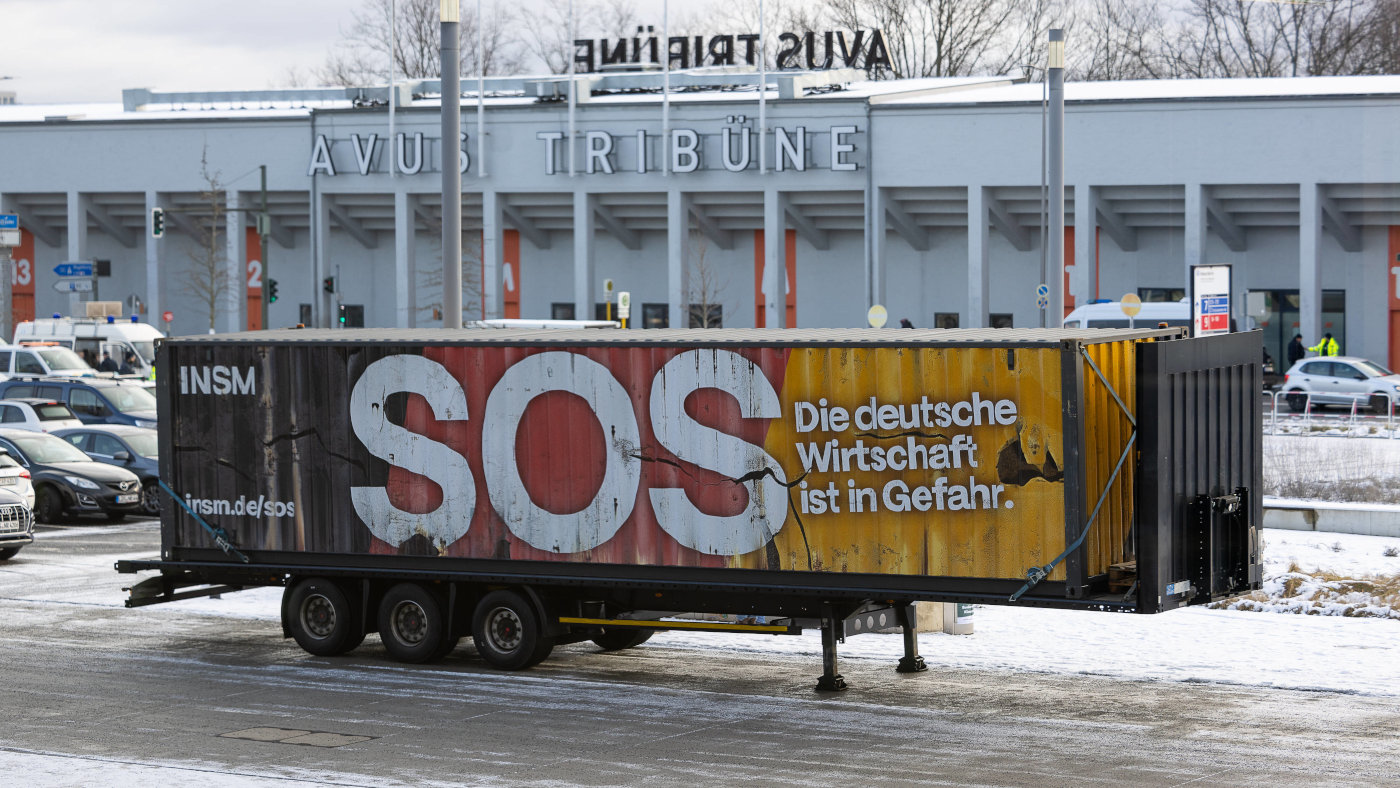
point(529, 488)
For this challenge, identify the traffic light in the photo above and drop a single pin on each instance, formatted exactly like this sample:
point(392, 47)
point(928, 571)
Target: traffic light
point(157, 222)
point(328, 284)
point(272, 291)
point(342, 314)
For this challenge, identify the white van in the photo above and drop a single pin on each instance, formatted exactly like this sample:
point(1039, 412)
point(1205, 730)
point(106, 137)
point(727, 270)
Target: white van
point(43, 360)
point(90, 337)
point(1109, 314)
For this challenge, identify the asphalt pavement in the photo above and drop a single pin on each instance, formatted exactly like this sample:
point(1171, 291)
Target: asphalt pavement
point(185, 696)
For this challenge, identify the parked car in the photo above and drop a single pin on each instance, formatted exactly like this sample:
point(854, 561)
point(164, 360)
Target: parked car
point(92, 400)
point(34, 413)
point(15, 478)
point(16, 524)
point(66, 481)
point(42, 360)
point(133, 448)
point(1341, 380)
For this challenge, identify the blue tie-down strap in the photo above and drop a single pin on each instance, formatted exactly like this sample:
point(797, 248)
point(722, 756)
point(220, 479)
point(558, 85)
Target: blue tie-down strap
point(220, 536)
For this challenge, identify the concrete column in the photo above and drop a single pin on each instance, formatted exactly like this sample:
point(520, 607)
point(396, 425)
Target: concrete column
point(234, 297)
point(1310, 263)
point(875, 281)
point(583, 257)
point(321, 301)
point(1086, 265)
point(1194, 238)
point(978, 260)
point(678, 286)
point(493, 256)
point(155, 305)
point(77, 242)
point(405, 261)
point(774, 260)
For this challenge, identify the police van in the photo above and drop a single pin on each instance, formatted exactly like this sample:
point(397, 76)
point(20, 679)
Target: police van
point(90, 337)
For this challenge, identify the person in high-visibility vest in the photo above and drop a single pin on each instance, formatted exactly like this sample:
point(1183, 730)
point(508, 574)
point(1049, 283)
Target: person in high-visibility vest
point(1327, 347)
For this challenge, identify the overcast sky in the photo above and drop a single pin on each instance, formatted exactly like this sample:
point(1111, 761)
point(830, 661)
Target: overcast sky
point(88, 50)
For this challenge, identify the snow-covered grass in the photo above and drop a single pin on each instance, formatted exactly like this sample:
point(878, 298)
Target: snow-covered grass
point(1323, 468)
point(1326, 574)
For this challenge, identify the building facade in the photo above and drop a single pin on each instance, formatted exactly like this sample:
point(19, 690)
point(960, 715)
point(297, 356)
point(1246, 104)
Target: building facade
point(799, 205)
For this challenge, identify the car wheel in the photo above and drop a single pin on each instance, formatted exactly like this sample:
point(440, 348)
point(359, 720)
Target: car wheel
point(6, 553)
point(1297, 402)
point(1380, 404)
point(321, 618)
point(48, 505)
point(150, 500)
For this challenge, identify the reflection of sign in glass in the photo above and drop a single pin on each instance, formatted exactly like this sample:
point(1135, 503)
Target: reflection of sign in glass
point(1210, 300)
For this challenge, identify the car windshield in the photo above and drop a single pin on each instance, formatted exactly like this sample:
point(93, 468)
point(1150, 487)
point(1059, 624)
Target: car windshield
point(53, 412)
point(46, 449)
point(61, 358)
point(1371, 369)
point(144, 444)
point(128, 399)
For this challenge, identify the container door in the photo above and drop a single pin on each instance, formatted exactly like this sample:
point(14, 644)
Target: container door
point(1199, 499)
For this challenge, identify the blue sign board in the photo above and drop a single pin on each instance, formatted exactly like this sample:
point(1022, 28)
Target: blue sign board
point(1215, 305)
point(73, 269)
point(9, 221)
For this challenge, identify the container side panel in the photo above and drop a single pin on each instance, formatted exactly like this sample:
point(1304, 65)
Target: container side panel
point(1107, 431)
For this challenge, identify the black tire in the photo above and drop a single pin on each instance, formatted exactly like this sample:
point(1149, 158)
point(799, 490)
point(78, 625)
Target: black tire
point(48, 504)
point(619, 638)
point(6, 553)
point(116, 517)
point(507, 631)
point(1297, 402)
point(1380, 404)
point(150, 499)
point(321, 618)
point(412, 625)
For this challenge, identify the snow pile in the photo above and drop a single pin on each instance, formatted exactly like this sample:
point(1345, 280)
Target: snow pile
point(1326, 574)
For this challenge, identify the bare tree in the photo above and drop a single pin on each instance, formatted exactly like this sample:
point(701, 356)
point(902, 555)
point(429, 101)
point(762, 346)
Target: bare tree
point(1275, 38)
point(431, 282)
point(1120, 39)
point(362, 57)
point(206, 279)
point(931, 38)
point(705, 287)
point(549, 37)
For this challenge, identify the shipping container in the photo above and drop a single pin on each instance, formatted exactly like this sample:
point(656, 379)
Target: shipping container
point(537, 487)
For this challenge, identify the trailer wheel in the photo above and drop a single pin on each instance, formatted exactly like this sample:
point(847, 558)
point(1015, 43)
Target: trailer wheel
point(412, 625)
point(506, 629)
point(321, 618)
point(619, 638)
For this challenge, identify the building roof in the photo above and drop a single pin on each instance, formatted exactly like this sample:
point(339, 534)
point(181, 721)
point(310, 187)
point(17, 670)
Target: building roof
point(1168, 90)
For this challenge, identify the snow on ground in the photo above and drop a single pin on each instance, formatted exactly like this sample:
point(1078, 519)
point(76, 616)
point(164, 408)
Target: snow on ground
point(1330, 468)
point(1312, 652)
point(64, 770)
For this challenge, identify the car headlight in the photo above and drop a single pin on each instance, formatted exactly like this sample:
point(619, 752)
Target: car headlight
point(147, 424)
point(82, 484)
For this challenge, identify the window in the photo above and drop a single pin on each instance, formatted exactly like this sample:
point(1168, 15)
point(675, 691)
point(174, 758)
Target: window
point(304, 314)
point(17, 392)
point(106, 445)
point(706, 316)
point(945, 320)
point(1317, 368)
point(656, 316)
point(87, 403)
point(25, 362)
point(1160, 294)
point(1001, 320)
point(50, 392)
point(4, 361)
point(12, 414)
point(78, 439)
point(54, 411)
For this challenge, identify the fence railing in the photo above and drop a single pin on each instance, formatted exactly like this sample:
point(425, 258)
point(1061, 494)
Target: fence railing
point(1359, 421)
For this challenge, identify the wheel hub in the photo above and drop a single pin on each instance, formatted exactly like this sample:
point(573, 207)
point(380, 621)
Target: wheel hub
point(503, 627)
point(410, 623)
point(318, 616)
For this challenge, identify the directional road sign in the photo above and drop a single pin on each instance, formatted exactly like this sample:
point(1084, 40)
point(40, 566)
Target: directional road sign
point(73, 285)
point(74, 269)
point(9, 229)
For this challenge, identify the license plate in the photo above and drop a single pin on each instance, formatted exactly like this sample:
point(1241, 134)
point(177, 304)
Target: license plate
point(8, 481)
point(129, 498)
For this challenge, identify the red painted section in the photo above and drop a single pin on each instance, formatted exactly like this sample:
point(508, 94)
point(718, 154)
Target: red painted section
point(22, 278)
point(560, 449)
point(1069, 261)
point(790, 250)
point(1392, 266)
point(255, 279)
point(510, 251)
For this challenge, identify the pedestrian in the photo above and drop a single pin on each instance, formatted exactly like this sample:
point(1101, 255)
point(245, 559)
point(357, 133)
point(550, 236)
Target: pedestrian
point(1296, 351)
point(904, 323)
point(1327, 347)
point(126, 368)
point(107, 365)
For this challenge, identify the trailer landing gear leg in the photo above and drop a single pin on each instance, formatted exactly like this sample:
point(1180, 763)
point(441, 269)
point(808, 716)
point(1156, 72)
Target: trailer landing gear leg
point(911, 662)
point(830, 680)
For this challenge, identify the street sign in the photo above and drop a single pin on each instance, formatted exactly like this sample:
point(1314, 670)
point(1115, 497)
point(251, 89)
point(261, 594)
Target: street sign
point(1210, 300)
point(167, 316)
point(1042, 290)
point(74, 269)
point(607, 289)
point(73, 285)
point(1042, 301)
point(877, 316)
point(1130, 304)
point(624, 305)
point(9, 229)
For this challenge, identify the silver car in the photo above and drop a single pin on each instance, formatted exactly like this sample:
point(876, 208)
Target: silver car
point(16, 524)
point(1341, 380)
